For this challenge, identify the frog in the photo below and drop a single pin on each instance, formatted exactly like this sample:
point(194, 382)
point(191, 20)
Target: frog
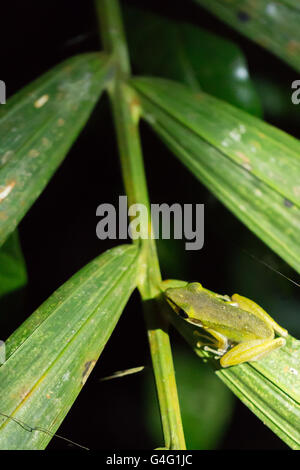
point(235, 329)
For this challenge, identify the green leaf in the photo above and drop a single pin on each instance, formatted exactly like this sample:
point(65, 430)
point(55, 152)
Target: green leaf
point(270, 387)
point(37, 128)
point(252, 167)
point(273, 25)
point(13, 273)
point(51, 355)
point(175, 50)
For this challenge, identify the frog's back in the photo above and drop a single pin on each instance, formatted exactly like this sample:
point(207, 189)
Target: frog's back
point(236, 324)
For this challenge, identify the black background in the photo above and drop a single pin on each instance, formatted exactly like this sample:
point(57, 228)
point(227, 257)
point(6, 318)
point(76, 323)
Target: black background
point(58, 234)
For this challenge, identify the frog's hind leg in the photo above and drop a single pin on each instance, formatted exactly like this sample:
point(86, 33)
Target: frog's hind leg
point(214, 342)
point(252, 307)
point(250, 351)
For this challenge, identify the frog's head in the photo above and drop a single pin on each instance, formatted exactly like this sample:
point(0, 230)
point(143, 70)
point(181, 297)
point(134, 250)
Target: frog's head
point(181, 298)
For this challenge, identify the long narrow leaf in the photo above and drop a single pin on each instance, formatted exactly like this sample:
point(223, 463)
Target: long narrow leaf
point(253, 168)
point(38, 126)
point(50, 357)
point(171, 49)
point(273, 25)
point(270, 387)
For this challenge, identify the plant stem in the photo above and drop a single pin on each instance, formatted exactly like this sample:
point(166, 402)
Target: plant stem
point(126, 116)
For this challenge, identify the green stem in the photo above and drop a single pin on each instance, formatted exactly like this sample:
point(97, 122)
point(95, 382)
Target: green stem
point(112, 32)
point(126, 116)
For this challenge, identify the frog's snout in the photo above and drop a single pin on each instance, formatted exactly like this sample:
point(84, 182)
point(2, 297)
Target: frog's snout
point(175, 295)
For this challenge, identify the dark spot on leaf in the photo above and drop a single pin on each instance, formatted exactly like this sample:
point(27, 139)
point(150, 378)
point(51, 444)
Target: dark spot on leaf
point(88, 367)
point(288, 203)
point(243, 16)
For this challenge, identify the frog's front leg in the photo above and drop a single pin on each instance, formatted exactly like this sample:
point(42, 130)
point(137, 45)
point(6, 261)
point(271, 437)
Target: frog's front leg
point(214, 342)
point(250, 351)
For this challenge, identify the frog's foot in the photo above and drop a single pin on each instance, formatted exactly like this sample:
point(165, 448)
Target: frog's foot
point(223, 297)
point(250, 351)
point(218, 352)
point(227, 299)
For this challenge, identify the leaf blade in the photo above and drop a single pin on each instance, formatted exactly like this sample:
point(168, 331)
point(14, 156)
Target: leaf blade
point(67, 334)
point(268, 387)
point(262, 202)
point(38, 126)
point(172, 49)
point(274, 26)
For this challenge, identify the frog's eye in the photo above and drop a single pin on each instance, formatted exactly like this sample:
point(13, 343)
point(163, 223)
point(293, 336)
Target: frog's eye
point(182, 313)
point(195, 286)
